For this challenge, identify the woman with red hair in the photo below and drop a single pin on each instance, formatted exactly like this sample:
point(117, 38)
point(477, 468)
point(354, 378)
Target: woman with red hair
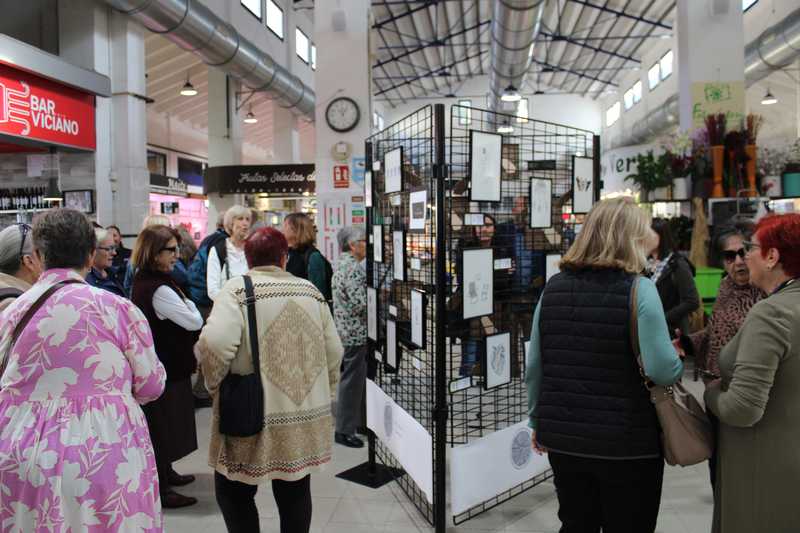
point(757, 398)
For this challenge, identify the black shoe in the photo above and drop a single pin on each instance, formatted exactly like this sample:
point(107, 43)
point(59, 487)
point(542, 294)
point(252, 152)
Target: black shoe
point(351, 441)
point(173, 500)
point(177, 480)
point(200, 403)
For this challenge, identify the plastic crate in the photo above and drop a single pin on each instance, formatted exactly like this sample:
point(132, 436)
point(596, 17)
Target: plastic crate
point(707, 280)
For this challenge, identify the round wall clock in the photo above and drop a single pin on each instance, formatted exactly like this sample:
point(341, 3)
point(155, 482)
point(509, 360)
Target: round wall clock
point(342, 114)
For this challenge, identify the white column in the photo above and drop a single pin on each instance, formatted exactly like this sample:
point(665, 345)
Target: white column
point(224, 136)
point(285, 136)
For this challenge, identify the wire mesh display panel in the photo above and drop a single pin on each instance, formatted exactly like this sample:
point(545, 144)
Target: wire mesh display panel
point(486, 390)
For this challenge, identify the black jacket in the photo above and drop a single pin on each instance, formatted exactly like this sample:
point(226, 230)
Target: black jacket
point(678, 293)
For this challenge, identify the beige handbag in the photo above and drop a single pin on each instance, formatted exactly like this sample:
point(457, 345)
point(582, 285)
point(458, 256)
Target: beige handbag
point(685, 430)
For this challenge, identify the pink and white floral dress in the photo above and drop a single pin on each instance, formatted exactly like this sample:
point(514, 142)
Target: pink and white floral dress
point(75, 453)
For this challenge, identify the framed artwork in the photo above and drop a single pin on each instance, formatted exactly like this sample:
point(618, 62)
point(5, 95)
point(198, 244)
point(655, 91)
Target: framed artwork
point(541, 203)
point(399, 255)
point(418, 210)
point(477, 282)
point(510, 161)
point(497, 366)
point(485, 166)
point(377, 243)
point(393, 170)
point(368, 188)
point(81, 200)
point(392, 360)
point(527, 354)
point(418, 319)
point(551, 267)
point(372, 314)
point(582, 184)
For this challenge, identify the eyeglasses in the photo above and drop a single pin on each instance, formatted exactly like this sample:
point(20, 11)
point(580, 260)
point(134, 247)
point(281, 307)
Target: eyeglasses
point(23, 230)
point(109, 249)
point(748, 246)
point(171, 249)
point(730, 255)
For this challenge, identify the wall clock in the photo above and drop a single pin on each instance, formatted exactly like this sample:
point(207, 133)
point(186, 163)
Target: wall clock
point(342, 114)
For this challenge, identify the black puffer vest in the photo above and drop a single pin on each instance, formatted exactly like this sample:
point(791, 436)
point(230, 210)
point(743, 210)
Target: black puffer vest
point(592, 401)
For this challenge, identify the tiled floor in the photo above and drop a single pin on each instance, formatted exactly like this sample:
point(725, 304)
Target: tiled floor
point(340, 506)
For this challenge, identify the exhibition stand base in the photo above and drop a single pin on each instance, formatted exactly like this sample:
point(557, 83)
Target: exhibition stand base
point(374, 476)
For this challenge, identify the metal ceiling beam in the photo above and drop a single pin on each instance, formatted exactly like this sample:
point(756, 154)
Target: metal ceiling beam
point(573, 72)
point(623, 14)
point(575, 18)
point(439, 42)
point(565, 38)
point(402, 40)
point(615, 37)
point(394, 18)
point(429, 74)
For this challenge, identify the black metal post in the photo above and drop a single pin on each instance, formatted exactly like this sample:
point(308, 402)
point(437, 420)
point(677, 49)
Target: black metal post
point(598, 183)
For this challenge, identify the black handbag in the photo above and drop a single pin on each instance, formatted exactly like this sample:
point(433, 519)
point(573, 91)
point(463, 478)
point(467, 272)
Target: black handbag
point(241, 398)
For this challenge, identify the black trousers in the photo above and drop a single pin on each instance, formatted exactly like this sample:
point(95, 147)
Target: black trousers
point(237, 502)
point(619, 496)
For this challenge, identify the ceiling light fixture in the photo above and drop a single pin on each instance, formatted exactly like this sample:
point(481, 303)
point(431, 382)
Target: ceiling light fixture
point(769, 98)
point(188, 89)
point(250, 118)
point(505, 127)
point(510, 95)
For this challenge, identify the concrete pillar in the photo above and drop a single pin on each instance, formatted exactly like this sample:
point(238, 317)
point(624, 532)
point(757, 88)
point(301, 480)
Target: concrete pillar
point(224, 136)
point(285, 136)
point(710, 60)
point(334, 78)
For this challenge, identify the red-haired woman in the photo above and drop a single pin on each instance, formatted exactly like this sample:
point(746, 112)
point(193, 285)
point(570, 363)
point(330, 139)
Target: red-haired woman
point(757, 398)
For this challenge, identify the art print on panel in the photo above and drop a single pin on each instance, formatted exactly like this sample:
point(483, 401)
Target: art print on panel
point(372, 313)
point(399, 255)
point(368, 188)
point(551, 265)
point(391, 345)
point(377, 243)
point(478, 282)
point(485, 150)
point(418, 318)
point(393, 170)
point(541, 203)
point(418, 210)
point(583, 185)
point(497, 367)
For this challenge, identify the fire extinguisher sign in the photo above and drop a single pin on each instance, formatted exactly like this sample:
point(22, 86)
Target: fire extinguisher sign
point(341, 176)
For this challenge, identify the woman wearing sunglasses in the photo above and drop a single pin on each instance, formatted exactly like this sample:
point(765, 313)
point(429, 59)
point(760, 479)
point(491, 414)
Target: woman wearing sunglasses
point(736, 297)
point(101, 274)
point(757, 399)
point(19, 266)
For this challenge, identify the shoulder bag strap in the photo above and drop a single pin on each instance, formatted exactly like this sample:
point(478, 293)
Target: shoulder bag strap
point(634, 332)
point(27, 318)
point(250, 300)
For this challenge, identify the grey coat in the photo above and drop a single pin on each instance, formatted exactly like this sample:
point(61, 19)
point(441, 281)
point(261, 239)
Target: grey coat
point(758, 406)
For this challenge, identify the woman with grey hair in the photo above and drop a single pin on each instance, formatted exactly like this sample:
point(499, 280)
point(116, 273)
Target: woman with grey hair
point(19, 265)
point(101, 274)
point(350, 315)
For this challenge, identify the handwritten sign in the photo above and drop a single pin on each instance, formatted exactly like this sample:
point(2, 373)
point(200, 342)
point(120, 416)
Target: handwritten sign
point(711, 98)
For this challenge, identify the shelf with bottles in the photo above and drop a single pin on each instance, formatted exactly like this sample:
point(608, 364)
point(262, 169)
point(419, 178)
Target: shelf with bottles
point(23, 199)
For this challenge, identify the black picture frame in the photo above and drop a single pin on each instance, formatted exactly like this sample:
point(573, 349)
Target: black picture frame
point(402, 275)
point(377, 243)
point(373, 312)
point(581, 190)
point(80, 200)
point(423, 319)
point(487, 360)
point(386, 168)
point(392, 346)
point(472, 196)
point(465, 290)
point(549, 202)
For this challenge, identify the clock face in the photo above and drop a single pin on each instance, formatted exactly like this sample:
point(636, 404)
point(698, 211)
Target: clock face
point(342, 114)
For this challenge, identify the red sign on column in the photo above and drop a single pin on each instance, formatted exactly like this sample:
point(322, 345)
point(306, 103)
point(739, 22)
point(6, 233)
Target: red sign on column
point(341, 177)
point(35, 108)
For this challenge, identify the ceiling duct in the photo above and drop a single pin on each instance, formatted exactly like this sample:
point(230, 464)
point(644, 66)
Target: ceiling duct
point(195, 28)
point(776, 48)
point(515, 25)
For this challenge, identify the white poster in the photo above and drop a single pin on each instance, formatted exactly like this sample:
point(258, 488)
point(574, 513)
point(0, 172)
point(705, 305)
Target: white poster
point(485, 155)
point(478, 282)
point(492, 465)
point(418, 209)
point(368, 188)
point(527, 353)
point(391, 343)
point(541, 203)
point(498, 360)
point(393, 170)
point(377, 243)
point(407, 439)
point(551, 265)
point(582, 184)
point(372, 313)
point(399, 255)
point(418, 318)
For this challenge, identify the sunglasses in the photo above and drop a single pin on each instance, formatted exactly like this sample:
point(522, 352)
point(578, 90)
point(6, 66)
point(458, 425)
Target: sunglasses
point(730, 255)
point(748, 246)
point(23, 229)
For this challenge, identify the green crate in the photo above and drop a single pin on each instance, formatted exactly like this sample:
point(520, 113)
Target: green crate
point(707, 280)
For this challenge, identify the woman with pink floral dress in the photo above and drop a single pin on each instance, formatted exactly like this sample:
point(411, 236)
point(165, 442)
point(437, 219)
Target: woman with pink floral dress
point(75, 452)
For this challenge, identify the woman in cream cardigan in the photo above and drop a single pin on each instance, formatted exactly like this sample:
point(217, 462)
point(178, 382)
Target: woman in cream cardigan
point(300, 353)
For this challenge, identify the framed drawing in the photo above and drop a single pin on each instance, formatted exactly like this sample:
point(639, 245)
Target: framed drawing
point(418, 319)
point(392, 360)
point(510, 161)
point(372, 314)
point(393, 170)
point(477, 282)
point(418, 210)
point(497, 366)
point(541, 203)
point(377, 243)
point(368, 188)
point(583, 184)
point(527, 354)
point(82, 200)
point(399, 255)
point(551, 267)
point(485, 166)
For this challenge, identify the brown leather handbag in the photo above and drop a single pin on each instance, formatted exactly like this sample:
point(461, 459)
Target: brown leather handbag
point(686, 435)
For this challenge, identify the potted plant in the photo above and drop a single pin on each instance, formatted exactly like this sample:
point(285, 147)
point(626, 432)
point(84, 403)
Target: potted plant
point(701, 165)
point(791, 174)
point(771, 162)
point(649, 175)
point(679, 163)
point(735, 150)
point(715, 127)
point(752, 126)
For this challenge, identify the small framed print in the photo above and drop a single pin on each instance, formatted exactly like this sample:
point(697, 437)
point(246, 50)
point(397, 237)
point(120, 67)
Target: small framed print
point(527, 344)
point(497, 364)
point(418, 319)
point(551, 266)
point(392, 360)
point(418, 210)
point(583, 184)
point(477, 282)
point(393, 170)
point(485, 166)
point(372, 314)
point(541, 203)
point(377, 243)
point(399, 255)
point(368, 188)
point(82, 200)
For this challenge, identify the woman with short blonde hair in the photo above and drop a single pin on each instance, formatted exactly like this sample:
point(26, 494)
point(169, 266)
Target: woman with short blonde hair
point(588, 406)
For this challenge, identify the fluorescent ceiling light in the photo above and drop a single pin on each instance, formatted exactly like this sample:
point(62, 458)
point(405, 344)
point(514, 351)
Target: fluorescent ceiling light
point(769, 99)
point(250, 118)
point(510, 95)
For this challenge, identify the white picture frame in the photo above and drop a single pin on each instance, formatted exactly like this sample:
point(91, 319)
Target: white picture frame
point(368, 188)
point(497, 364)
point(393, 170)
point(377, 243)
point(418, 319)
point(551, 267)
point(399, 255)
point(477, 282)
point(417, 210)
point(526, 355)
point(485, 165)
point(391, 344)
point(372, 313)
point(541, 203)
point(583, 184)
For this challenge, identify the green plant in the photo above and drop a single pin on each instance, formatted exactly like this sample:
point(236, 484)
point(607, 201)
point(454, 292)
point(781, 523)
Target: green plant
point(651, 172)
